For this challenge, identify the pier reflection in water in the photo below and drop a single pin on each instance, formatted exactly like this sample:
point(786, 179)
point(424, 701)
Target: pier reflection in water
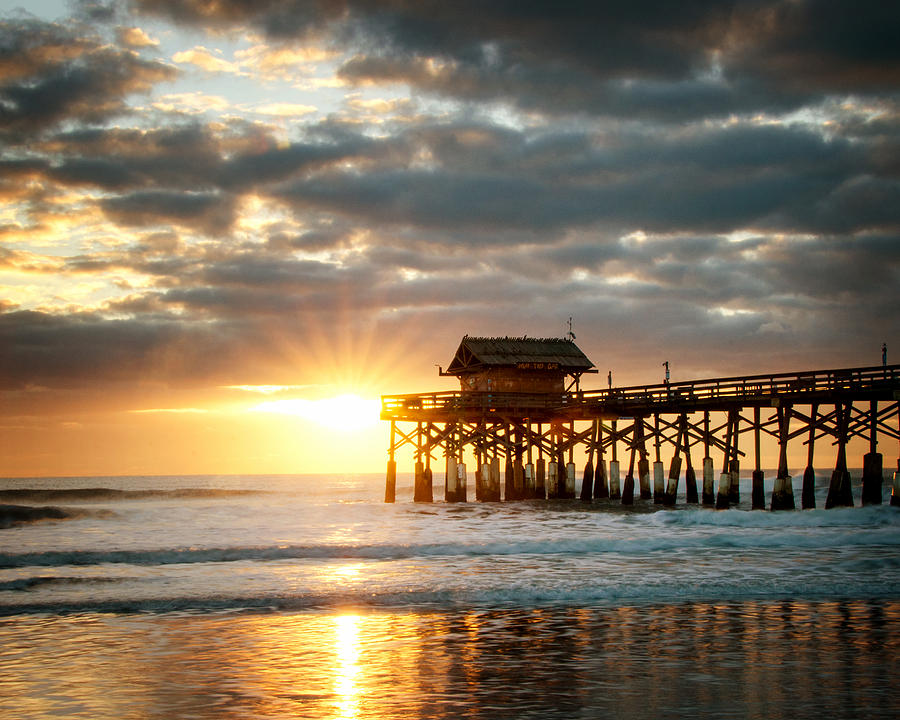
point(752, 660)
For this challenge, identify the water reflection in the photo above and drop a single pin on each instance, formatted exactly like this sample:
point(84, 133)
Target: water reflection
point(346, 671)
point(751, 660)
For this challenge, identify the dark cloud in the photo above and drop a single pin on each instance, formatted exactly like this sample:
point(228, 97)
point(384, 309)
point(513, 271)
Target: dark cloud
point(180, 156)
point(49, 74)
point(208, 213)
point(676, 61)
point(38, 348)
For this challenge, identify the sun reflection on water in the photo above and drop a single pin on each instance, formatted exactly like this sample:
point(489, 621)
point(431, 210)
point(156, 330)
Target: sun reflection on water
point(346, 645)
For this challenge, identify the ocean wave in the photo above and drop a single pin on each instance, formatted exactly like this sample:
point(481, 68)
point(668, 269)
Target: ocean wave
point(101, 494)
point(628, 546)
point(11, 515)
point(30, 583)
point(866, 516)
point(530, 596)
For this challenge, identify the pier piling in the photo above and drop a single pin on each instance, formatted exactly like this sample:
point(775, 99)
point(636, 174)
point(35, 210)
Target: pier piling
point(783, 492)
point(709, 492)
point(808, 493)
point(839, 492)
point(758, 487)
point(390, 486)
point(873, 468)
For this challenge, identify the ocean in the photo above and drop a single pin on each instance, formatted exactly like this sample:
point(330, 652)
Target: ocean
point(308, 597)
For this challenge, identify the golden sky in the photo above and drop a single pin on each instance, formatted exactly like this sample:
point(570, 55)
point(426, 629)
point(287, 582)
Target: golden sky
point(222, 225)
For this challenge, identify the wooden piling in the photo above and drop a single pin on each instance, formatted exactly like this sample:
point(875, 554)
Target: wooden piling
point(614, 490)
point(659, 487)
point(672, 485)
point(643, 462)
point(461, 491)
point(808, 493)
point(570, 480)
point(758, 489)
point(783, 492)
point(734, 467)
point(690, 477)
point(709, 491)
point(722, 497)
point(587, 482)
point(601, 487)
point(509, 479)
point(451, 477)
point(839, 492)
point(540, 479)
point(495, 479)
point(390, 483)
point(422, 486)
point(628, 487)
point(873, 468)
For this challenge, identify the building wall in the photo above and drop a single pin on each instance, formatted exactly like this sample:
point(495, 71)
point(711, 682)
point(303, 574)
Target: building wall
point(537, 380)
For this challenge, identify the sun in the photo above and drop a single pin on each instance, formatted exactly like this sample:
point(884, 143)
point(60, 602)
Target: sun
point(348, 412)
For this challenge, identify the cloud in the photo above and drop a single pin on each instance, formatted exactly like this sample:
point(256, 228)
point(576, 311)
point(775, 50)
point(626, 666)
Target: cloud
point(206, 60)
point(205, 212)
point(50, 74)
point(135, 37)
point(284, 109)
point(645, 59)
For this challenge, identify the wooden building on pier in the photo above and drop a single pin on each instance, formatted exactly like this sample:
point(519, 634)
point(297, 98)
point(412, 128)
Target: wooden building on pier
point(521, 365)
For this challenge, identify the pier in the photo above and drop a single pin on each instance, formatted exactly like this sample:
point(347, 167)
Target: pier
point(522, 419)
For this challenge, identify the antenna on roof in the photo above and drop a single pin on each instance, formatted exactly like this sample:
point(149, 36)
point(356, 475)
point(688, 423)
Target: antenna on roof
point(570, 336)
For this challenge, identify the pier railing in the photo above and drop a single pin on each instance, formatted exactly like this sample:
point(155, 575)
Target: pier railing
point(877, 382)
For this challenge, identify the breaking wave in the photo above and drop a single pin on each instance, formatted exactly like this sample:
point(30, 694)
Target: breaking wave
point(38, 495)
point(789, 541)
point(11, 515)
point(452, 598)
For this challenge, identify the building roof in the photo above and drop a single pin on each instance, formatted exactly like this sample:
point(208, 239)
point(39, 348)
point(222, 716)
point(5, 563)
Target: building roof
point(477, 353)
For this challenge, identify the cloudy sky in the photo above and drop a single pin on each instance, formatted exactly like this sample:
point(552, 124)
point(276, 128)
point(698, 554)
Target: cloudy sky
point(217, 216)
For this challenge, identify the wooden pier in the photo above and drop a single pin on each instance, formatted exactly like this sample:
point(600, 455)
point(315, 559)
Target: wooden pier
point(521, 403)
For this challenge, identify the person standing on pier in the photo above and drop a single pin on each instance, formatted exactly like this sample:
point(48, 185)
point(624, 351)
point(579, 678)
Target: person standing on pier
point(884, 354)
